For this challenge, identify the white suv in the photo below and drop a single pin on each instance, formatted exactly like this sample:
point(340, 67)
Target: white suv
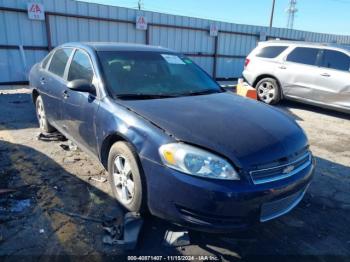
point(308, 72)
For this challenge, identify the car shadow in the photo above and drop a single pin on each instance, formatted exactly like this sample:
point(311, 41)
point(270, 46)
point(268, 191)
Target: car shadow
point(33, 187)
point(288, 104)
point(35, 193)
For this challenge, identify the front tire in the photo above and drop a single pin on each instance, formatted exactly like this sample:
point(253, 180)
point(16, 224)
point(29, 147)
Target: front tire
point(268, 91)
point(125, 177)
point(41, 116)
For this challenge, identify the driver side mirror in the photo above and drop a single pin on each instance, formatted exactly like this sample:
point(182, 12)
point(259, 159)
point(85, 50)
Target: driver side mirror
point(81, 85)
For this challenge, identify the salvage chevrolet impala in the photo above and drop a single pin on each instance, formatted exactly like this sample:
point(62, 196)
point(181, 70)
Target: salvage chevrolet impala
point(175, 144)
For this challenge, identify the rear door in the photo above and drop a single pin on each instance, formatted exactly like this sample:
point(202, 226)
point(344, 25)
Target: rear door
point(54, 85)
point(298, 73)
point(333, 80)
point(40, 81)
point(79, 108)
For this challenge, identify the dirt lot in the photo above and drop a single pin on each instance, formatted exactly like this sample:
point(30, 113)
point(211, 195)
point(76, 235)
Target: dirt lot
point(45, 177)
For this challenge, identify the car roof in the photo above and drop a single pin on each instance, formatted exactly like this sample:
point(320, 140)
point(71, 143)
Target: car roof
point(117, 46)
point(303, 43)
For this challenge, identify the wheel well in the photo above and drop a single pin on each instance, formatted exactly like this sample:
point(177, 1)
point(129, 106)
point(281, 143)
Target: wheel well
point(265, 76)
point(104, 153)
point(106, 146)
point(35, 95)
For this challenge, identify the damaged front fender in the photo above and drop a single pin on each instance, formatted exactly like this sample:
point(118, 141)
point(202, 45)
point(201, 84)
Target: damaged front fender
point(119, 123)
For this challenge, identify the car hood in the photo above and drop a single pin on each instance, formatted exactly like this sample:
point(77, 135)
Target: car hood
point(247, 132)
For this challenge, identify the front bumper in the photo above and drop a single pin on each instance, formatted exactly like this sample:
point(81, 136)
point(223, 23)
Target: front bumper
point(219, 206)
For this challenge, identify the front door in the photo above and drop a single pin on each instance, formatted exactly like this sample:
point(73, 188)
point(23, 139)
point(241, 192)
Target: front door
point(333, 78)
point(79, 108)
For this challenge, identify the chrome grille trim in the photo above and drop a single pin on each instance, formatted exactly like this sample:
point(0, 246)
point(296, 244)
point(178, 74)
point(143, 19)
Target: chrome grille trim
point(282, 176)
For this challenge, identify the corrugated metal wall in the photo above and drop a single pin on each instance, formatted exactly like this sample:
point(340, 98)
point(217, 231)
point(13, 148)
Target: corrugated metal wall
point(69, 20)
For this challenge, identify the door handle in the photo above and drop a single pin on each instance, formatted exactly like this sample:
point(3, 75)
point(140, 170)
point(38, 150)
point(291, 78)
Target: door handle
point(282, 67)
point(65, 94)
point(325, 75)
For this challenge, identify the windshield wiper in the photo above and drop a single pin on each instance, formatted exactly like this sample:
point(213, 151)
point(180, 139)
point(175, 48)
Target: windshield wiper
point(156, 96)
point(203, 92)
point(142, 96)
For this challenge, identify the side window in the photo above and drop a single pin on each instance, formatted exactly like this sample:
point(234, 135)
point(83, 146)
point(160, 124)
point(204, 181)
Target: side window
point(80, 67)
point(59, 61)
point(304, 55)
point(335, 60)
point(46, 60)
point(271, 51)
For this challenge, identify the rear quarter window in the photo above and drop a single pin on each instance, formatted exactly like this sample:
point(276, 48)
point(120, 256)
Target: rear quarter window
point(271, 51)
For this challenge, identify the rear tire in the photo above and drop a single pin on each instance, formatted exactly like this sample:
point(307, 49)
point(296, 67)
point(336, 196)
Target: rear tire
point(125, 177)
point(268, 91)
point(41, 116)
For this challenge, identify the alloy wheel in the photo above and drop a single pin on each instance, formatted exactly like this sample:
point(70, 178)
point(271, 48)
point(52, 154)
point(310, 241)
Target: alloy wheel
point(266, 92)
point(123, 179)
point(41, 114)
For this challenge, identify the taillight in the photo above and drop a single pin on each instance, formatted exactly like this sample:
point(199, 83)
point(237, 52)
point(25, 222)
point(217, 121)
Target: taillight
point(246, 62)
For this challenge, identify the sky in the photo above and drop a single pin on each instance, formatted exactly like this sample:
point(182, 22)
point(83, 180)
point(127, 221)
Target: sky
point(325, 16)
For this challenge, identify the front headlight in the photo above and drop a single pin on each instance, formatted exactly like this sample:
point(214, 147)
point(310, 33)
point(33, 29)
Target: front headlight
point(197, 162)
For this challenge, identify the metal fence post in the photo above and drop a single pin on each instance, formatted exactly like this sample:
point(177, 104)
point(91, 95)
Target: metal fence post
point(215, 55)
point(48, 31)
point(148, 34)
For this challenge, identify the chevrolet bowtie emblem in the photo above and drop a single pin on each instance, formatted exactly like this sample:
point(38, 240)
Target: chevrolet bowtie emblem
point(288, 169)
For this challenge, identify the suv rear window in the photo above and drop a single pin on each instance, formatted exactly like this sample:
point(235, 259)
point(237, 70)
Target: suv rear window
point(271, 51)
point(59, 61)
point(304, 55)
point(335, 60)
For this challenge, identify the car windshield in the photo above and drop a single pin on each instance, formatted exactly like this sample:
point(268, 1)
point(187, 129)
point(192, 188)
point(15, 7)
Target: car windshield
point(146, 75)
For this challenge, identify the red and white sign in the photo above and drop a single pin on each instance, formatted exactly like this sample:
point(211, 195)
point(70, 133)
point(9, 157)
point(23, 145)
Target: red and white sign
point(141, 22)
point(214, 30)
point(36, 11)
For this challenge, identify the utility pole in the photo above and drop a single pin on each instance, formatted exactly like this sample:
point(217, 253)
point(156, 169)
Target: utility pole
point(291, 10)
point(272, 12)
point(140, 4)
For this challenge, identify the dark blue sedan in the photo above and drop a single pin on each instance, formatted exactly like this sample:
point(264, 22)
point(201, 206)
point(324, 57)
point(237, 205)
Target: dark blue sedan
point(173, 141)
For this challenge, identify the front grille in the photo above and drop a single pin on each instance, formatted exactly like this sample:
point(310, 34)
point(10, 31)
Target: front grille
point(278, 172)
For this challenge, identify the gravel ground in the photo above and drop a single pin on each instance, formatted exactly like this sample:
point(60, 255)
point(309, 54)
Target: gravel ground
point(44, 176)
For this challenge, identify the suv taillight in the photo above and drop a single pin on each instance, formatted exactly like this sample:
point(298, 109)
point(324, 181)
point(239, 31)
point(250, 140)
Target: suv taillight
point(246, 62)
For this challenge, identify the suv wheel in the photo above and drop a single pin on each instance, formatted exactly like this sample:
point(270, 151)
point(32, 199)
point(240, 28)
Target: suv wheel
point(41, 116)
point(268, 91)
point(125, 176)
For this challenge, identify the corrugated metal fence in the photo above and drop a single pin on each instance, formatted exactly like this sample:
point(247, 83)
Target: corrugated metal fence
point(23, 42)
